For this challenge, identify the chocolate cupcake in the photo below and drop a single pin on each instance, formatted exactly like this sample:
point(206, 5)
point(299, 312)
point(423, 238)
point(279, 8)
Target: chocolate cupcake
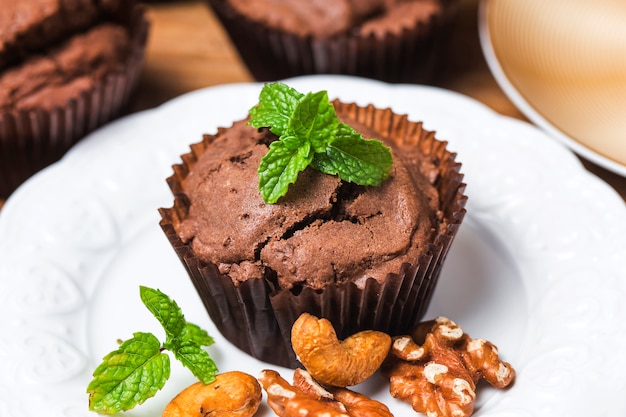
point(66, 68)
point(364, 257)
point(389, 40)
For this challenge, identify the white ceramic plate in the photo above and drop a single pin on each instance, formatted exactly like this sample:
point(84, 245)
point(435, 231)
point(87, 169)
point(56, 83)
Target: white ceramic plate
point(563, 64)
point(538, 266)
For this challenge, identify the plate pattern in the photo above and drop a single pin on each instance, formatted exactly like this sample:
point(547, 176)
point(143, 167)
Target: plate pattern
point(561, 227)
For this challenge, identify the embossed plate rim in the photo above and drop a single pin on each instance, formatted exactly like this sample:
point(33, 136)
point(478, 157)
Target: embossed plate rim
point(560, 225)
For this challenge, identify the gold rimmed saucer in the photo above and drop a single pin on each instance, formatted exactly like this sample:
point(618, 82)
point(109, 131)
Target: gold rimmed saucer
point(563, 64)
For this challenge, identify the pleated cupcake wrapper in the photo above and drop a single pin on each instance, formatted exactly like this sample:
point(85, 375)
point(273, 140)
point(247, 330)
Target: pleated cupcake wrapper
point(30, 140)
point(243, 314)
point(271, 54)
point(257, 317)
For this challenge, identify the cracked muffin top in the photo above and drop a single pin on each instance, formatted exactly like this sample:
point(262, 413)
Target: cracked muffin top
point(324, 230)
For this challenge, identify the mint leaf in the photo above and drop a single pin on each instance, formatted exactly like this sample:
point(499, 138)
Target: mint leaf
point(277, 103)
point(129, 375)
point(309, 133)
point(354, 159)
point(139, 368)
point(314, 119)
point(197, 335)
point(280, 167)
point(197, 360)
point(291, 141)
point(164, 309)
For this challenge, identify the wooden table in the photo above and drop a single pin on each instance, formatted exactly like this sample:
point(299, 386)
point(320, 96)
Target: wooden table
point(188, 50)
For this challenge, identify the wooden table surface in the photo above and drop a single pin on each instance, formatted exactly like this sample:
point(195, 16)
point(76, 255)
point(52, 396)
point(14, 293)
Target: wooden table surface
point(188, 49)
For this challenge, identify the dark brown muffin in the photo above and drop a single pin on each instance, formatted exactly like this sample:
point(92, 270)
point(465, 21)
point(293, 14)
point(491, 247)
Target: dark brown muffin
point(66, 67)
point(362, 257)
point(390, 40)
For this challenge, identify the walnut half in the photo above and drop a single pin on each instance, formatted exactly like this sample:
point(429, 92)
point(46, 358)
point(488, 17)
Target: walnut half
point(436, 369)
point(307, 398)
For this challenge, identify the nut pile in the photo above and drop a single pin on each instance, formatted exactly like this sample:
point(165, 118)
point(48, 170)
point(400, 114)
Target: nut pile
point(435, 369)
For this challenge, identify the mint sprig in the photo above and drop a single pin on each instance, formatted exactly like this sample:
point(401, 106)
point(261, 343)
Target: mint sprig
point(139, 368)
point(310, 134)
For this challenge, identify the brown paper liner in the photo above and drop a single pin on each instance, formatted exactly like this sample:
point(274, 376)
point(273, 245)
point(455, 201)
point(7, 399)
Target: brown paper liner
point(270, 54)
point(256, 316)
point(30, 140)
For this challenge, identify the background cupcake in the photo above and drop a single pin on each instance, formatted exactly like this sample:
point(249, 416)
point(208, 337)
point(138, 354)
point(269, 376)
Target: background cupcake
point(389, 40)
point(325, 256)
point(65, 69)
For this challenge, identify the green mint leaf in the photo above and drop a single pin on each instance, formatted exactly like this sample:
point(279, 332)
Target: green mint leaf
point(129, 375)
point(354, 159)
point(324, 164)
point(197, 360)
point(280, 167)
point(314, 120)
point(165, 310)
point(139, 368)
point(197, 335)
point(292, 141)
point(277, 103)
point(309, 133)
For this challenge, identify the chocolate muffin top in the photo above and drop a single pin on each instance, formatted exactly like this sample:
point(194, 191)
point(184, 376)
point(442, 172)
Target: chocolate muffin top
point(29, 26)
point(49, 80)
point(51, 50)
point(323, 18)
point(324, 230)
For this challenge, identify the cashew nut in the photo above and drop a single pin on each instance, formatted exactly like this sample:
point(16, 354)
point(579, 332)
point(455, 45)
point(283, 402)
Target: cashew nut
point(232, 394)
point(334, 362)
